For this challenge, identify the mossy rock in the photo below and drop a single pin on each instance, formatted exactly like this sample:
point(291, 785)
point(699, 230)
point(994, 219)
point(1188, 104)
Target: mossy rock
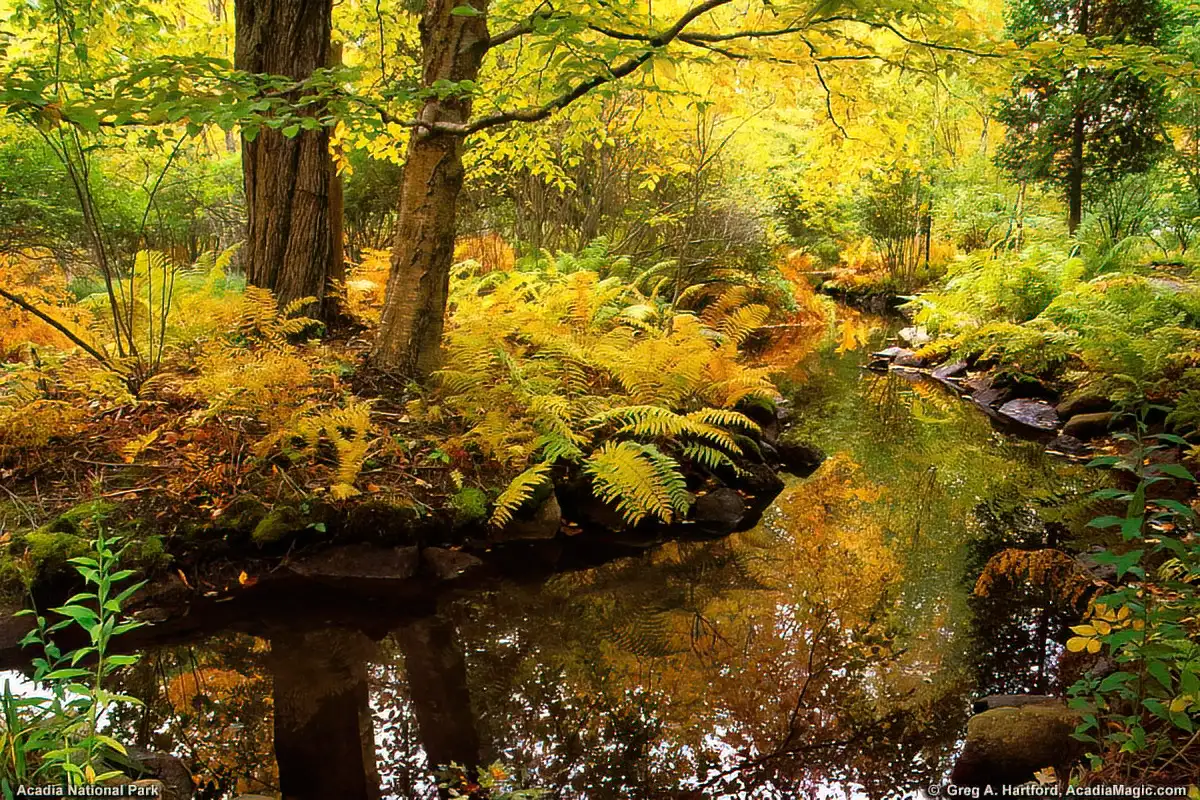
point(245, 513)
point(149, 555)
point(73, 520)
point(470, 505)
point(281, 523)
point(49, 551)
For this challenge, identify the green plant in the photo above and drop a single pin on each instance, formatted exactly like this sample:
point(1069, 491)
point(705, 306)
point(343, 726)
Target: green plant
point(1147, 711)
point(57, 737)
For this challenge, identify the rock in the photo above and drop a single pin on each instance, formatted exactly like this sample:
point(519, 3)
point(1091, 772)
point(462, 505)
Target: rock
point(1006, 746)
point(1036, 414)
point(915, 335)
point(891, 352)
point(1083, 403)
point(171, 773)
point(359, 561)
point(767, 419)
point(990, 398)
point(448, 564)
point(984, 393)
point(1089, 426)
point(799, 458)
point(1088, 563)
point(543, 523)
point(954, 369)
point(1011, 701)
point(909, 359)
point(1065, 445)
point(719, 512)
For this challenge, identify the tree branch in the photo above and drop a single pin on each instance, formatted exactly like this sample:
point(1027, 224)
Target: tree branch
point(654, 44)
point(58, 326)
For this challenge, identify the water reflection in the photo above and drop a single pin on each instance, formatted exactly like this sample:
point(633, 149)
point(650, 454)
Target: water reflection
point(832, 651)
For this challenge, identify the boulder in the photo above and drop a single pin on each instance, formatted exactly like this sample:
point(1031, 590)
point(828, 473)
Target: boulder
point(360, 561)
point(1089, 426)
point(543, 523)
point(767, 419)
point(719, 512)
point(448, 564)
point(891, 353)
point(1083, 403)
point(955, 369)
point(169, 771)
point(1006, 745)
point(799, 458)
point(915, 335)
point(1011, 701)
point(1064, 445)
point(910, 359)
point(1037, 415)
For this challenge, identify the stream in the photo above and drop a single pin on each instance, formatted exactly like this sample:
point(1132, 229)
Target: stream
point(833, 651)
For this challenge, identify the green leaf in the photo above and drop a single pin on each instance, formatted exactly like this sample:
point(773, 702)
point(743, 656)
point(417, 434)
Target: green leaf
point(291, 131)
point(466, 11)
point(1174, 470)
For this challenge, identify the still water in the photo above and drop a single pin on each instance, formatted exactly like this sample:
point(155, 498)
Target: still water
point(833, 651)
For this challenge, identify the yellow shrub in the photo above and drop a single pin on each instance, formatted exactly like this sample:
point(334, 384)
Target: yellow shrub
point(41, 283)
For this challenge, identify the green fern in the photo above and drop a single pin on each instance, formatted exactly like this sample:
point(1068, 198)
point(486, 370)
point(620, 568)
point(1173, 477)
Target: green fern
point(640, 481)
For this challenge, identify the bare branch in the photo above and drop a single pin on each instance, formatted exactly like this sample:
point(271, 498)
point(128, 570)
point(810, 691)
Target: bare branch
point(58, 326)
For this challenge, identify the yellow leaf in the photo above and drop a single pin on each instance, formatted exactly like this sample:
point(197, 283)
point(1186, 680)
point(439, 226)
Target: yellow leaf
point(1084, 630)
point(1077, 644)
point(1102, 627)
point(1093, 646)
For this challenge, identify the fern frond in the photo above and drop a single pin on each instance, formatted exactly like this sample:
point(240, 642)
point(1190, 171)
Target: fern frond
point(725, 418)
point(639, 480)
point(518, 492)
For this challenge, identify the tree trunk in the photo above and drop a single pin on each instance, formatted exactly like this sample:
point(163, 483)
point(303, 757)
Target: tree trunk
point(1075, 170)
point(290, 237)
point(414, 308)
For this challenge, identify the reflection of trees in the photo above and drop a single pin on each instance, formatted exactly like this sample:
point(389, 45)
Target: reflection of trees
point(767, 662)
point(211, 704)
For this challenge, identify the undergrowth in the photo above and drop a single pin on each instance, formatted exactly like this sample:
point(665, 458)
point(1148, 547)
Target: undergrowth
point(550, 368)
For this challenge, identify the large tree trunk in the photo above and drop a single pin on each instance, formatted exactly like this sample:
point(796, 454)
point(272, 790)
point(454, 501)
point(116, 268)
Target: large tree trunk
point(290, 239)
point(414, 309)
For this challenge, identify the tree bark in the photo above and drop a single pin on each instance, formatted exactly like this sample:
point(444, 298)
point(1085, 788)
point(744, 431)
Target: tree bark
point(1078, 133)
point(290, 243)
point(414, 308)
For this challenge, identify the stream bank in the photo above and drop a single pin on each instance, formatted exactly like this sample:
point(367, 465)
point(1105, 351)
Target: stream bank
point(837, 646)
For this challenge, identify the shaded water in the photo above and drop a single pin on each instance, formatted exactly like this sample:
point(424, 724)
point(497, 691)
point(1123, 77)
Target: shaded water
point(832, 651)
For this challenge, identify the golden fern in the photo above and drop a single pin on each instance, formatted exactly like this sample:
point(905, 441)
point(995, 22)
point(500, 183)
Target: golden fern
point(662, 423)
point(639, 480)
point(518, 492)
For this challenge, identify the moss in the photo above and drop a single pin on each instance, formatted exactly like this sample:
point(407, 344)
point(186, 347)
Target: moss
point(49, 550)
point(281, 522)
point(73, 520)
point(470, 505)
point(245, 512)
point(149, 554)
